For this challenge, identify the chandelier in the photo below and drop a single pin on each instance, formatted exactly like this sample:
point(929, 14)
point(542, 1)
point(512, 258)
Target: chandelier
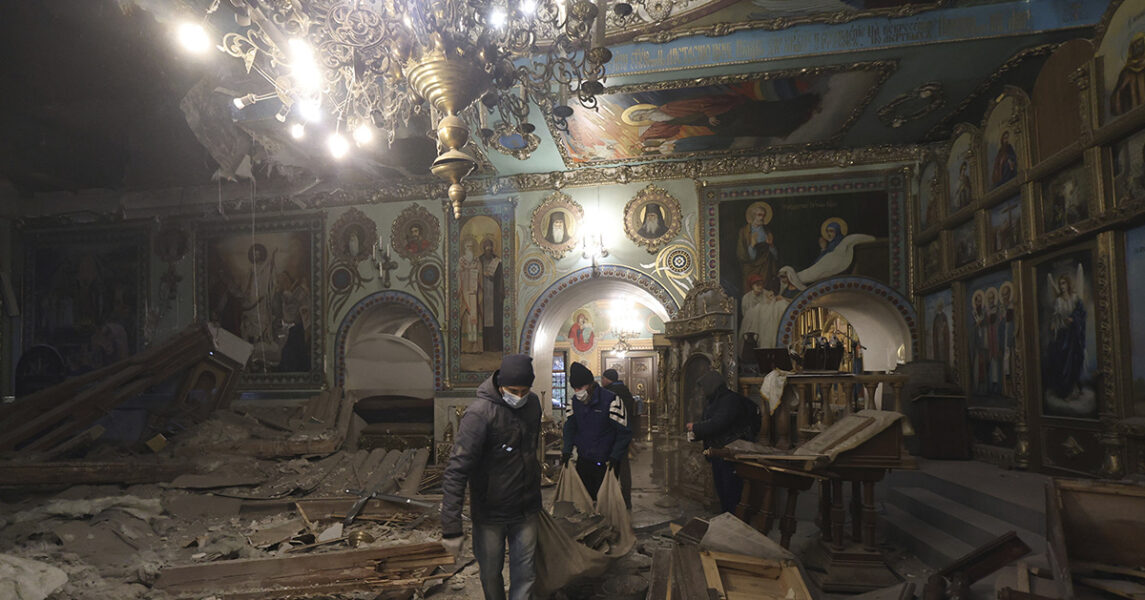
point(375, 64)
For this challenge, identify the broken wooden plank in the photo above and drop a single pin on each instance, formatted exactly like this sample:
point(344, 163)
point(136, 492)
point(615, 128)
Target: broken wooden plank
point(987, 558)
point(1118, 587)
point(283, 573)
point(658, 588)
point(688, 574)
point(23, 474)
point(208, 481)
point(272, 536)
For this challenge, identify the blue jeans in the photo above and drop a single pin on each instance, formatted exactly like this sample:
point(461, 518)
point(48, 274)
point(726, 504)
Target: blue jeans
point(489, 549)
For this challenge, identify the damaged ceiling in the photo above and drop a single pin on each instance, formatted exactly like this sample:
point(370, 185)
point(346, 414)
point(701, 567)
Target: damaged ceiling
point(101, 97)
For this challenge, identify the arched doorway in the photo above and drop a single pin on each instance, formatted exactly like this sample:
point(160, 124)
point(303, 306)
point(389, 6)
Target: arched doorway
point(589, 284)
point(390, 342)
point(883, 318)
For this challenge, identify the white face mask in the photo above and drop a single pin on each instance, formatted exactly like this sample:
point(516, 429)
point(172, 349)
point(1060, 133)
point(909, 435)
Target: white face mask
point(581, 394)
point(513, 400)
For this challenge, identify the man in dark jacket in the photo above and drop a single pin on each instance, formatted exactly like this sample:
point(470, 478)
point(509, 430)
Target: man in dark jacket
point(610, 380)
point(723, 422)
point(597, 427)
point(495, 452)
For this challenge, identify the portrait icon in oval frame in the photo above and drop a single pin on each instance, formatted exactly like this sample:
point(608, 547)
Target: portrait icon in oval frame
point(352, 237)
point(556, 224)
point(415, 233)
point(652, 218)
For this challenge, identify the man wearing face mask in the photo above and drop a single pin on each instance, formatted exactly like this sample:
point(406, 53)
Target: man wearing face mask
point(723, 422)
point(495, 453)
point(597, 427)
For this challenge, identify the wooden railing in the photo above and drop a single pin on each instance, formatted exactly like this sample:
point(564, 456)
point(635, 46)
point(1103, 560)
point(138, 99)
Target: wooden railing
point(823, 398)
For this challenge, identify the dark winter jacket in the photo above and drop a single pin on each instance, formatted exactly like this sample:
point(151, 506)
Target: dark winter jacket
point(495, 452)
point(598, 427)
point(625, 396)
point(723, 419)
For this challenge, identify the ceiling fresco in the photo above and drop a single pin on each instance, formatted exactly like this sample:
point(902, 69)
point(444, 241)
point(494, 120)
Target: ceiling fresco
point(120, 108)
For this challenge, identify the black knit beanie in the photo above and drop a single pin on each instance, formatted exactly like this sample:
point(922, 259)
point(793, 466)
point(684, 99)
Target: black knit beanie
point(579, 375)
point(710, 382)
point(611, 375)
point(516, 369)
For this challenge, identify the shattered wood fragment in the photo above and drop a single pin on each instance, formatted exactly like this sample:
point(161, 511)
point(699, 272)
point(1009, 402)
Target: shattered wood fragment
point(22, 474)
point(273, 536)
point(345, 570)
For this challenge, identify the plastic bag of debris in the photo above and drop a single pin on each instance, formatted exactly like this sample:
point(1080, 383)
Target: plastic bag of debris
point(577, 538)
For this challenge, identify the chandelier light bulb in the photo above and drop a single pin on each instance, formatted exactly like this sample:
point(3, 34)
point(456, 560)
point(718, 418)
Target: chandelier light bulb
point(297, 131)
point(193, 37)
point(338, 145)
point(528, 7)
point(498, 18)
point(310, 111)
point(363, 134)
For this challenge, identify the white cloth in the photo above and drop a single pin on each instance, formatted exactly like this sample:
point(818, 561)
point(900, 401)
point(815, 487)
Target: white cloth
point(771, 390)
point(763, 320)
point(835, 262)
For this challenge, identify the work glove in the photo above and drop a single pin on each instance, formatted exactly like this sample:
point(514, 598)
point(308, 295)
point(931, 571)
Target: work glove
point(565, 458)
point(453, 545)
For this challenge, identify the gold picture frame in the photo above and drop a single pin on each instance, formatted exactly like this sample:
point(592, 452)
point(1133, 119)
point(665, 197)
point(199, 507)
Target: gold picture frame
point(642, 230)
point(1005, 145)
point(353, 236)
point(415, 219)
point(542, 224)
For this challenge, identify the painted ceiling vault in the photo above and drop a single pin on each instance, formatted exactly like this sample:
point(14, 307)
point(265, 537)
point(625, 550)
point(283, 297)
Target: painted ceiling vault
point(99, 97)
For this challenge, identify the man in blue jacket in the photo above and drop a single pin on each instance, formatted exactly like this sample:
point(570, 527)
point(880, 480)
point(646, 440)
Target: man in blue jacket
point(597, 427)
point(495, 453)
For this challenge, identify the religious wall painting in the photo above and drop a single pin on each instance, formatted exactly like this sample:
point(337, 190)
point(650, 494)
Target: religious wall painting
point(1004, 225)
point(581, 330)
point(964, 238)
point(481, 311)
point(806, 107)
point(1005, 141)
point(1134, 268)
point(960, 171)
point(938, 322)
point(992, 323)
point(930, 261)
point(1128, 169)
point(85, 292)
point(264, 286)
point(1121, 62)
point(1066, 198)
point(556, 224)
point(353, 236)
point(1067, 335)
point(170, 244)
point(929, 204)
point(416, 233)
point(771, 250)
point(652, 218)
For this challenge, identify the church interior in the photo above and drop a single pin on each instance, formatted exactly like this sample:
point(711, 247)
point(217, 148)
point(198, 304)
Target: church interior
point(259, 257)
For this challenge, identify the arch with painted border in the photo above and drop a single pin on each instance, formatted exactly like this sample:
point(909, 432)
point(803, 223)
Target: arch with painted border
point(553, 306)
point(370, 303)
point(870, 306)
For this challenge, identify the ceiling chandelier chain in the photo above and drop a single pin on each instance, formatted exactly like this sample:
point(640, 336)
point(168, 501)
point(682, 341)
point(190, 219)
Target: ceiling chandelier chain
point(379, 63)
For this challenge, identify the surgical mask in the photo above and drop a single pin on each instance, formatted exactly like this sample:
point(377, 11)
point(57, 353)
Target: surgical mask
point(581, 394)
point(513, 400)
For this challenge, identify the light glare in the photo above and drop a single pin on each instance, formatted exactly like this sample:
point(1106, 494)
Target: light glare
point(498, 18)
point(310, 111)
point(363, 134)
point(338, 145)
point(528, 7)
point(193, 37)
point(298, 131)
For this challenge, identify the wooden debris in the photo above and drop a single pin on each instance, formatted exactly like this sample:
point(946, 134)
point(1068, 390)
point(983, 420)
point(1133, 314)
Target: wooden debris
point(49, 418)
point(1094, 523)
point(31, 474)
point(976, 564)
point(297, 438)
point(310, 574)
point(273, 536)
point(211, 481)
